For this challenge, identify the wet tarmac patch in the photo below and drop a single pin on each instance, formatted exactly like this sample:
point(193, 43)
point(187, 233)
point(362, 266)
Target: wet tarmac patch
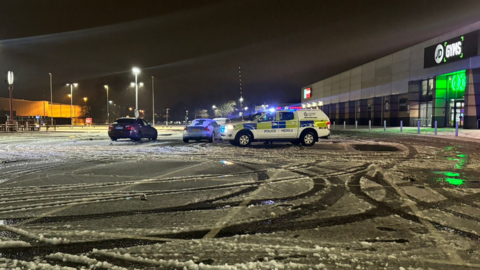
point(375, 148)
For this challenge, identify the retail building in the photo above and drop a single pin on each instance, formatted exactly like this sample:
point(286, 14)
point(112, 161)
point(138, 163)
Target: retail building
point(435, 81)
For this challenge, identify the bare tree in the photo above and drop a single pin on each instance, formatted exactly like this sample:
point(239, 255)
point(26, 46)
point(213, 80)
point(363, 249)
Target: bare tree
point(85, 112)
point(201, 113)
point(225, 108)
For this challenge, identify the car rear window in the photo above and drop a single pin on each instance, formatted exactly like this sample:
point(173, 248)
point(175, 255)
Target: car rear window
point(125, 121)
point(198, 122)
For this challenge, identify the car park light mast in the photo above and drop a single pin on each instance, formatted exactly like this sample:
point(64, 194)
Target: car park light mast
point(71, 101)
point(10, 92)
point(136, 71)
point(108, 107)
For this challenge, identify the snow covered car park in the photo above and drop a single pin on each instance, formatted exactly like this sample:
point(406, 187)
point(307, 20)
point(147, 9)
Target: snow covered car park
point(356, 201)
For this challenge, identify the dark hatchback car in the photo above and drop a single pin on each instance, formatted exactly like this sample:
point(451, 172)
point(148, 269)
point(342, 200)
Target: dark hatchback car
point(131, 128)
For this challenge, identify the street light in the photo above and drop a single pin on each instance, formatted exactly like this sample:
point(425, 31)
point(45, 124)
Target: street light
point(214, 107)
point(51, 99)
point(136, 71)
point(85, 99)
point(10, 90)
point(153, 101)
point(246, 108)
point(108, 107)
point(167, 116)
point(71, 101)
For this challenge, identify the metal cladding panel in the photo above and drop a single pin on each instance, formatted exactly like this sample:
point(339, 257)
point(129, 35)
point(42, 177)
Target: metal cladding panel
point(403, 55)
point(336, 88)
point(383, 90)
point(328, 90)
point(335, 99)
point(384, 61)
point(383, 75)
point(344, 97)
point(368, 92)
point(355, 94)
point(401, 66)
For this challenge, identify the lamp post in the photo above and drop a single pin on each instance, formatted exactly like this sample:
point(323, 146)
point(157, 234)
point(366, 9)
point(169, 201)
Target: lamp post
point(136, 71)
point(108, 107)
point(51, 99)
point(71, 101)
point(153, 101)
point(167, 116)
point(10, 91)
point(85, 100)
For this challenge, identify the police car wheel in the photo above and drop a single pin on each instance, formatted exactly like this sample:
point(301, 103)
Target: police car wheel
point(243, 140)
point(308, 139)
point(185, 140)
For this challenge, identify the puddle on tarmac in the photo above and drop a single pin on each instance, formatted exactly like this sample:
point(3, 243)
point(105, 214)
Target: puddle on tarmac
point(375, 147)
point(456, 177)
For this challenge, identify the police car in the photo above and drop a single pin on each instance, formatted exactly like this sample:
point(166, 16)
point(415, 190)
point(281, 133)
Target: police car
point(302, 126)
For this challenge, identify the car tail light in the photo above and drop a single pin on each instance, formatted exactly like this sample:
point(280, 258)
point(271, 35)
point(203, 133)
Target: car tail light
point(185, 128)
point(328, 125)
point(206, 129)
point(110, 127)
point(128, 127)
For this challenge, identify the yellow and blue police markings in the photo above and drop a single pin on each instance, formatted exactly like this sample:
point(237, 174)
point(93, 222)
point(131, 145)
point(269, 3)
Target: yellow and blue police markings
point(314, 123)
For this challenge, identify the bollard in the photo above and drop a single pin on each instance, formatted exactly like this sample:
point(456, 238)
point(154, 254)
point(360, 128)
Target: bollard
point(418, 127)
point(344, 124)
point(435, 127)
point(356, 124)
point(456, 129)
point(369, 125)
point(26, 126)
point(401, 126)
point(333, 124)
point(384, 125)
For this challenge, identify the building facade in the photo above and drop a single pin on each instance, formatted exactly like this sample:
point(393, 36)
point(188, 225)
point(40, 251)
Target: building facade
point(435, 81)
point(29, 108)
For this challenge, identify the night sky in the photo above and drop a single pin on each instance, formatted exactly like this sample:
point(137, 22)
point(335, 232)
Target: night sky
point(194, 48)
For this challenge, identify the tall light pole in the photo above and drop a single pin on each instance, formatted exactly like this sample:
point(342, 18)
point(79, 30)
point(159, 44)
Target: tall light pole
point(136, 71)
point(167, 116)
point(10, 91)
point(71, 101)
point(240, 85)
point(51, 99)
point(108, 107)
point(153, 101)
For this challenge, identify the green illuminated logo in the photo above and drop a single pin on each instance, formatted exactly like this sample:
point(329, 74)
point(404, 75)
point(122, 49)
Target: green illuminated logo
point(458, 82)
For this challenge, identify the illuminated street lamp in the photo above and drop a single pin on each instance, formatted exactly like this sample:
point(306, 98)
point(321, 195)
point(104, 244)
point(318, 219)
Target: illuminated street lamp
point(10, 91)
point(136, 71)
point(71, 101)
point(85, 99)
point(108, 107)
point(246, 108)
point(214, 107)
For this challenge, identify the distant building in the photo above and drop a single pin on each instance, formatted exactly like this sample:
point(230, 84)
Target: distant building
point(27, 108)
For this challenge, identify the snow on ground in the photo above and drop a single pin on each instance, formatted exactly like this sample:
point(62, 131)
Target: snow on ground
point(71, 199)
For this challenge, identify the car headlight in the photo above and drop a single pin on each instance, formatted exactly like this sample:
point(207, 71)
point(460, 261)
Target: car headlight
point(230, 127)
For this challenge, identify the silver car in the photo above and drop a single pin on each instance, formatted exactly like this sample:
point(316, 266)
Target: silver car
point(201, 129)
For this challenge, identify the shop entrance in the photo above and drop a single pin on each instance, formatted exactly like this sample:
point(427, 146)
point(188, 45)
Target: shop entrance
point(425, 114)
point(456, 112)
